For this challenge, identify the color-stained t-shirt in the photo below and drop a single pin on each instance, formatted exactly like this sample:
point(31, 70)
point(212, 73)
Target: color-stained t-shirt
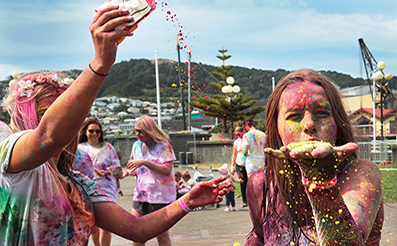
point(83, 164)
point(103, 158)
point(153, 187)
point(240, 158)
point(255, 139)
point(35, 209)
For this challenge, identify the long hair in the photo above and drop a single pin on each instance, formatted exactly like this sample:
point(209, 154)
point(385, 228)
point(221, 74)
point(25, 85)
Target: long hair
point(22, 99)
point(149, 126)
point(83, 130)
point(282, 190)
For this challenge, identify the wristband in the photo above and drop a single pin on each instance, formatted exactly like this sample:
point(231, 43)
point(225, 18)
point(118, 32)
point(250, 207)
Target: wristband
point(95, 72)
point(319, 184)
point(184, 206)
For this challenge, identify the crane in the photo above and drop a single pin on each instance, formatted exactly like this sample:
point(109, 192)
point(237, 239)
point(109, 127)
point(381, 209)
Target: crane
point(370, 65)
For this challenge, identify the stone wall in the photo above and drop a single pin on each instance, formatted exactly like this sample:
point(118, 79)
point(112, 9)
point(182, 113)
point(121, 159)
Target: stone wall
point(203, 150)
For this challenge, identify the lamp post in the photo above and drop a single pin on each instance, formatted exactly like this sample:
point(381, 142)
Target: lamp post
point(230, 90)
point(378, 77)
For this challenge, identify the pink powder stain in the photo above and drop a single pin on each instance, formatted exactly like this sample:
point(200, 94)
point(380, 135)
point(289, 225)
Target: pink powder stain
point(305, 106)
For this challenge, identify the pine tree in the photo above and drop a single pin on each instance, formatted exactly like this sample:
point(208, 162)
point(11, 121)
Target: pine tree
point(222, 107)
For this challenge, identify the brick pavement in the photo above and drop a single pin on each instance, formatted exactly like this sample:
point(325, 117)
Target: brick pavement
point(213, 226)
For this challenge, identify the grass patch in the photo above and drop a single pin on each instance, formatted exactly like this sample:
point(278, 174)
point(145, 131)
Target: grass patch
point(389, 182)
point(389, 185)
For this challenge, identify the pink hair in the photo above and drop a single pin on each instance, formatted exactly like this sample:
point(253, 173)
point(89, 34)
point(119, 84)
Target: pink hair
point(23, 108)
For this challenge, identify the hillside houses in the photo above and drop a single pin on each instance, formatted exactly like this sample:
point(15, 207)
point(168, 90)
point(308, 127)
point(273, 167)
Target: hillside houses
point(118, 114)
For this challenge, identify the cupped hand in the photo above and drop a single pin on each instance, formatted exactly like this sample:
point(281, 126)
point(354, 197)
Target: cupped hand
point(207, 192)
point(104, 34)
point(134, 164)
point(312, 150)
point(313, 157)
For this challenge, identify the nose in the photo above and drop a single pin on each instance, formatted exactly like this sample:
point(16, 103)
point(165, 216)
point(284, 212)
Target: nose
point(309, 125)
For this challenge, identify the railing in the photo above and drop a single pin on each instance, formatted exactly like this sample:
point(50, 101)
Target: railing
point(368, 131)
point(381, 155)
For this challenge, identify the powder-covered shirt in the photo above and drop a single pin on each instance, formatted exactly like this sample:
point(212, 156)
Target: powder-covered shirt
point(153, 187)
point(35, 209)
point(240, 158)
point(103, 158)
point(83, 164)
point(255, 139)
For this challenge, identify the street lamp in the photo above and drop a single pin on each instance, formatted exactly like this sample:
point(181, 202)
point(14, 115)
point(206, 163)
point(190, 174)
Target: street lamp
point(231, 92)
point(378, 77)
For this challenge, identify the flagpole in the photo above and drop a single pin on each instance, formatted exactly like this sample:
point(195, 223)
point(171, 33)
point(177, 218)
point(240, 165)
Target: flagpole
point(157, 90)
point(189, 90)
point(180, 83)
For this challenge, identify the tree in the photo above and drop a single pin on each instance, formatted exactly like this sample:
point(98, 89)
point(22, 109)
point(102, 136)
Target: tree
point(219, 105)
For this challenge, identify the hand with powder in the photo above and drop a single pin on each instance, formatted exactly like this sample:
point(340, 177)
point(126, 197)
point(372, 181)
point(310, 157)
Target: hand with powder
point(315, 158)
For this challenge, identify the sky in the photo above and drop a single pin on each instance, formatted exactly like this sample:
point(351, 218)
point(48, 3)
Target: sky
point(265, 34)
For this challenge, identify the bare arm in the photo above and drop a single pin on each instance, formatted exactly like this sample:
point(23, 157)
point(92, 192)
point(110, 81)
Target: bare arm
point(234, 157)
point(361, 189)
point(162, 168)
point(112, 217)
point(63, 119)
point(255, 198)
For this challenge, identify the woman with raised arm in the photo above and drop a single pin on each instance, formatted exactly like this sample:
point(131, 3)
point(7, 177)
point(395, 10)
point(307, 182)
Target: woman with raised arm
point(313, 189)
point(42, 201)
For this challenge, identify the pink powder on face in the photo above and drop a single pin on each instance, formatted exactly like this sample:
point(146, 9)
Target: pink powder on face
point(305, 114)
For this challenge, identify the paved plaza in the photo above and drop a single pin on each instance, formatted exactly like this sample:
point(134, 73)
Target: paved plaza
point(213, 226)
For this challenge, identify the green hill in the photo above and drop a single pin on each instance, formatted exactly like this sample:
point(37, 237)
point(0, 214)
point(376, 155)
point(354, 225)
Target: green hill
point(136, 79)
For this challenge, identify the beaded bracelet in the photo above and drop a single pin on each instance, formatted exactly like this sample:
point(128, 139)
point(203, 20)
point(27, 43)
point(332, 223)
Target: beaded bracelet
point(319, 184)
point(95, 72)
point(184, 206)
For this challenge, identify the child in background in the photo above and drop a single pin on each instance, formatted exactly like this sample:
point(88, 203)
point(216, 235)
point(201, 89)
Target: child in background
point(188, 179)
point(180, 189)
point(224, 170)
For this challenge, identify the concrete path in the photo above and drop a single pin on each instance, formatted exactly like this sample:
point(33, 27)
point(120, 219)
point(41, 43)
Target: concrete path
point(213, 226)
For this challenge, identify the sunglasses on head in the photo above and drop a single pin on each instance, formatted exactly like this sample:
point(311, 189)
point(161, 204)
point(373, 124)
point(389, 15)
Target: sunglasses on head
point(97, 131)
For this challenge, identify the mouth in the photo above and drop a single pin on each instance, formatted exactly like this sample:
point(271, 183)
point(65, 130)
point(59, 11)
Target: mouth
point(312, 139)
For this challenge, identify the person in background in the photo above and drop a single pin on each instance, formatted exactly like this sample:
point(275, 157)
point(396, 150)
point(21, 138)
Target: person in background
point(180, 188)
point(104, 158)
point(151, 161)
point(238, 161)
point(118, 152)
point(188, 179)
point(253, 144)
point(230, 200)
point(313, 190)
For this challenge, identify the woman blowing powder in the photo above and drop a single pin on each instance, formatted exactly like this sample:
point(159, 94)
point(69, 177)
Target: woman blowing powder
point(313, 189)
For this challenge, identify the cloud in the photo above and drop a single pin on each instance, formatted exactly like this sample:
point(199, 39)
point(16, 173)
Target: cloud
point(268, 34)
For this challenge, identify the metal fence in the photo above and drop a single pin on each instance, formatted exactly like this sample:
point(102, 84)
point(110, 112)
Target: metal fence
point(381, 153)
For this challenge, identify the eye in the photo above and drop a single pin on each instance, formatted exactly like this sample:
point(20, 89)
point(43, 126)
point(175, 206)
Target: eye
point(293, 116)
point(323, 113)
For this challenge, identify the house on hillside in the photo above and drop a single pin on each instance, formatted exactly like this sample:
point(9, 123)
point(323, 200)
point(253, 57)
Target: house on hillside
point(137, 103)
point(133, 110)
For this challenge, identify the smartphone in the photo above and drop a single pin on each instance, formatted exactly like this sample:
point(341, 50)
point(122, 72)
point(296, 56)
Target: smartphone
point(139, 9)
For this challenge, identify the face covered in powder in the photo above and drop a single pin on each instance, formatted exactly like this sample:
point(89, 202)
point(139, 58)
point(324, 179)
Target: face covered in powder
point(305, 115)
